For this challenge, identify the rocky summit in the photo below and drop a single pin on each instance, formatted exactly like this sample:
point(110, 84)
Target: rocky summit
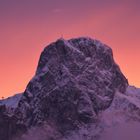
point(75, 81)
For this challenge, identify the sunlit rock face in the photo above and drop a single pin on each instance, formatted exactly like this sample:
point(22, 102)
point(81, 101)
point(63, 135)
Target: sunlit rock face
point(75, 79)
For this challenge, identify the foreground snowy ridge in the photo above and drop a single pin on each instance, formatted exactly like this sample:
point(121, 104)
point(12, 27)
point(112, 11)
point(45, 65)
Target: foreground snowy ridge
point(11, 101)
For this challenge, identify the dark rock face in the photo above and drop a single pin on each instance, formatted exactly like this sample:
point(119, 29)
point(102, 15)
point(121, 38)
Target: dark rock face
point(75, 79)
point(8, 125)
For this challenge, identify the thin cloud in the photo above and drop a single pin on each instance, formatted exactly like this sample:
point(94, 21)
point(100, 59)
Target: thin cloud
point(57, 10)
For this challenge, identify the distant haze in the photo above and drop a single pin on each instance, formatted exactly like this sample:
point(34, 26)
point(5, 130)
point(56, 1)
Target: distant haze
point(123, 132)
point(27, 26)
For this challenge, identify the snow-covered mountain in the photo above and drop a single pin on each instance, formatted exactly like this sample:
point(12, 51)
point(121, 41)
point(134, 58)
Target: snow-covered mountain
point(78, 92)
point(11, 102)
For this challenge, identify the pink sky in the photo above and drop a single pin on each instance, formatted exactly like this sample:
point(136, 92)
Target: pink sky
point(28, 26)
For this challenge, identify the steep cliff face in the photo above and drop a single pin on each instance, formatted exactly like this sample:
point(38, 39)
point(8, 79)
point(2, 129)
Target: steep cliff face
point(74, 81)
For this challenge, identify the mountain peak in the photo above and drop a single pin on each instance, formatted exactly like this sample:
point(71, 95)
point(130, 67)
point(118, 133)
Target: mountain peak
point(77, 73)
point(75, 80)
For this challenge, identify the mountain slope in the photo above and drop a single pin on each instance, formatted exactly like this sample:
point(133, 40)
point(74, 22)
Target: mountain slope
point(76, 87)
point(11, 101)
point(75, 79)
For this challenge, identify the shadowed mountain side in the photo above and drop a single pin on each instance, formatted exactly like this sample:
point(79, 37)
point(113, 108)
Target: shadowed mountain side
point(75, 81)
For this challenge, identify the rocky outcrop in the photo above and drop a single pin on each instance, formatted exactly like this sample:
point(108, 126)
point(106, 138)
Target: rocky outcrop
point(74, 81)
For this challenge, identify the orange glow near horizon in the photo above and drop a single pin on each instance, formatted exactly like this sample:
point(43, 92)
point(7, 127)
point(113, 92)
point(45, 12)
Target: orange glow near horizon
point(26, 28)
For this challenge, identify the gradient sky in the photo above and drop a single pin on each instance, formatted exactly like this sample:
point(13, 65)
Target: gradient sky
point(27, 26)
